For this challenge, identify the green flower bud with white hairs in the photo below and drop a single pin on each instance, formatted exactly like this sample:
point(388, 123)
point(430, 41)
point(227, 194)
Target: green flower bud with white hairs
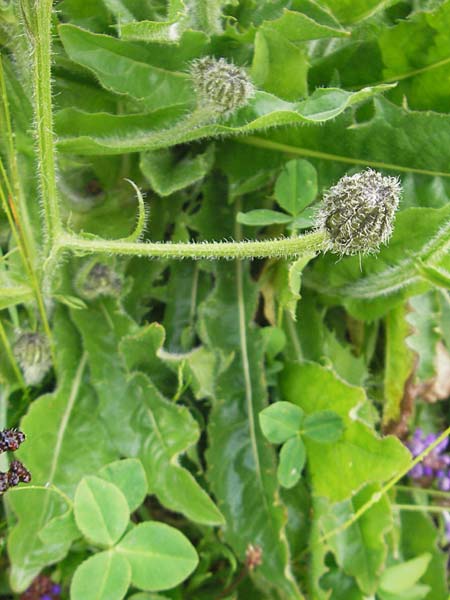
point(96, 279)
point(32, 352)
point(358, 212)
point(221, 87)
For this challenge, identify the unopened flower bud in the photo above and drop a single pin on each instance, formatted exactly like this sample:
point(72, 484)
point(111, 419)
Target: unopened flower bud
point(32, 352)
point(358, 212)
point(221, 87)
point(97, 279)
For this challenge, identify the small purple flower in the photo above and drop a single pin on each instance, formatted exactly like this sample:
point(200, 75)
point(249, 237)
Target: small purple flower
point(435, 464)
point(56, 589)
point(46, 597)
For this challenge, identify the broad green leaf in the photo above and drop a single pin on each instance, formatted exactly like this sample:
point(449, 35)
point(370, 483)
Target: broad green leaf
point(237, 450)
point(416, 54)
point(417, 140)
point(147, 426)
point(280, 421)
point(360, 456)
point(324, 426)
point(399, 362)
point(122, 67)
point(60, 529)
point(361, 549)
point(160, 556)
point(292, 460)
point(419, 535)
point(147, 596)
point(399, 578)
point(167, 175)
point(351, 11)
point(101, 511)
point(129, 476)
point(60, 427)
point(261, 217)
point(279, 66)
point(103, 576)
point(296, 186)
point(416, 592)
point(424, 321)
point(309, 21)
point(81, 132)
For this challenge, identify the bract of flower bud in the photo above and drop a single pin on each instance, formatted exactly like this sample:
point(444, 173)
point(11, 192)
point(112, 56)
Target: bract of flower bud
point(32, 352)
point(221, 87)
point(96, 279)
point(358, 212)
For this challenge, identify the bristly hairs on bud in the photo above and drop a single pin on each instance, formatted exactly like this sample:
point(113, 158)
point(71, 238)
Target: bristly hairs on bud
point(358, 212)
point(32, 351)
point(97, 279)
point(221, 87)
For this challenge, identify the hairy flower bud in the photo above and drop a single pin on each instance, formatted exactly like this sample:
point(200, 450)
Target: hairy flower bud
point(32, 352)
point(358, 212)
point(221, 87)
point(97, 279)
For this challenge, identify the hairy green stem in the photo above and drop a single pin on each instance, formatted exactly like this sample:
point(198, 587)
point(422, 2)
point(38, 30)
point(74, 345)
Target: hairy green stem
point(40, 22)
point(279, 248)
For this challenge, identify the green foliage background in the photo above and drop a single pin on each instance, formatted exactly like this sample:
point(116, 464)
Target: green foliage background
point(151, 472)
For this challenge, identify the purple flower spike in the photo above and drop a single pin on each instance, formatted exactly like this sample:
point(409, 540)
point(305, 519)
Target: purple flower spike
point(417, 471)
point(428, 471)
point(56, 589)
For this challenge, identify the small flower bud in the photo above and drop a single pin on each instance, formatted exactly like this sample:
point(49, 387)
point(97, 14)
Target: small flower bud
point(221, 87)
point(10, 439)
point(358, 212)
point(32, 352)
point(97, 279)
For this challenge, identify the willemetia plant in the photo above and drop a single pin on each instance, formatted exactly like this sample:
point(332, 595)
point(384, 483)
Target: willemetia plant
point(196, 429)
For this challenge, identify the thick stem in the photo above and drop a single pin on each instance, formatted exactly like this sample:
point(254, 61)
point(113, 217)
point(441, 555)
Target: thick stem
point(278, 248)
point(40, 22)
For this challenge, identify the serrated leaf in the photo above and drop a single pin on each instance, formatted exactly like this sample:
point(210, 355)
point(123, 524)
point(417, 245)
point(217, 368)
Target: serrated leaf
point(103, 576)
point(121, 67)
point(261, 217)
point(417, 140)
point(324, 426)
point(291, 462)
point(160, 556)
point(359, 457)
point(129, 476)
point(280, 421)
point(60, 428)
point(85, 133)
point(101, 511)
point(147, 426)
point(296, 186)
